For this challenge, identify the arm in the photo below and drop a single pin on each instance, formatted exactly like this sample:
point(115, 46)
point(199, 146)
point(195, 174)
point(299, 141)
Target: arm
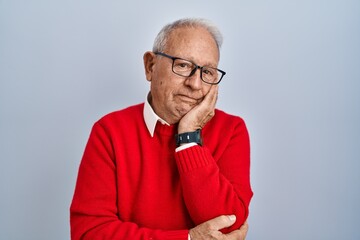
point(215, 185)
point(93, 212)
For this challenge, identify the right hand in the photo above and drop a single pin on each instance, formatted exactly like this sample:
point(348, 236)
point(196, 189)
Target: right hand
point(211, 229)
point(197, 117)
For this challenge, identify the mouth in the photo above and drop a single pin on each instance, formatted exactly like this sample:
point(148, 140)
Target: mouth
point(190, 100)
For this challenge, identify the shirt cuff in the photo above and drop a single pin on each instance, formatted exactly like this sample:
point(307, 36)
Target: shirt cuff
point(189, 238)
point(185, 146)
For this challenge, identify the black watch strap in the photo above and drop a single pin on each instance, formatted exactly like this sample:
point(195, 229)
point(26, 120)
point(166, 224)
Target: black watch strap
point(189, 137)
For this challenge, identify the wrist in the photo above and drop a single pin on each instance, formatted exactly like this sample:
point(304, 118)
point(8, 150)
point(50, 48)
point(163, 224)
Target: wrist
point(186, 129)
point(189, 137)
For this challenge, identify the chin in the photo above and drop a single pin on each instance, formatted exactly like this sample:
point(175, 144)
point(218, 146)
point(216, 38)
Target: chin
point(183, 110)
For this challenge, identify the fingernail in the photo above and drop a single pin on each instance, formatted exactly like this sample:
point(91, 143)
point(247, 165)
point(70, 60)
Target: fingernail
point(232, 218)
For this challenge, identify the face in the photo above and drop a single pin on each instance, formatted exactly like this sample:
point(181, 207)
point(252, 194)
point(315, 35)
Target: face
point(172, 96)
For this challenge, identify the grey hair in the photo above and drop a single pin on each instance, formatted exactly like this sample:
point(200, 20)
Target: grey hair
point(163, 36)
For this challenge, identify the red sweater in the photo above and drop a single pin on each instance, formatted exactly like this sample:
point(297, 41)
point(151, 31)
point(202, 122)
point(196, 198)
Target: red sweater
point(134, 186)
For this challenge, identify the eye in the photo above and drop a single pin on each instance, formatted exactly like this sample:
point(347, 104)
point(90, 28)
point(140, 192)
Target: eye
point(209, 71)
point(182, 65)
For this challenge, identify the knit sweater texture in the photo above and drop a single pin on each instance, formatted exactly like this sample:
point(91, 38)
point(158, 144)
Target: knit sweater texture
point(134, 186)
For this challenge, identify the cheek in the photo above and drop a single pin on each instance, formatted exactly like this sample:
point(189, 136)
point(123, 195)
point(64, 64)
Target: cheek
point(165, 86)
point(160, 90)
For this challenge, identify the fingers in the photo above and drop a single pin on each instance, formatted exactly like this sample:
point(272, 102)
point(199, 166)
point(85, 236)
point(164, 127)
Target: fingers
point(210, 229)
point(206, 109)
point(221, 222)
point(239, 234)
point(212, 95)
point(244, 228)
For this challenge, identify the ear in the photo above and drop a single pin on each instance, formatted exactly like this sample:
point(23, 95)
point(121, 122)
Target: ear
point(149, 63)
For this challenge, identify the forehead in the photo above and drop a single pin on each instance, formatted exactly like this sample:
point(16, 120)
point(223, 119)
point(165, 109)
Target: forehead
point(193, 43)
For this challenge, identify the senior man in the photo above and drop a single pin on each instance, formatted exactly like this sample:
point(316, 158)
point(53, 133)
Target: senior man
point(173, 167)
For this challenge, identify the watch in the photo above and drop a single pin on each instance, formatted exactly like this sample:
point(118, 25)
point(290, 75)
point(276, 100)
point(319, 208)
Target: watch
point(189, 137)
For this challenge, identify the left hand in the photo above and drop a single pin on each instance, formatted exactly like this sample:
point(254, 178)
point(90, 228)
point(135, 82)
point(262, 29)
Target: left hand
point(211, 230)
point(197, 117)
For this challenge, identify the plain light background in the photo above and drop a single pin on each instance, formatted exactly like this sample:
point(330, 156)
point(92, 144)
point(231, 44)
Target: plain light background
point(293, 74)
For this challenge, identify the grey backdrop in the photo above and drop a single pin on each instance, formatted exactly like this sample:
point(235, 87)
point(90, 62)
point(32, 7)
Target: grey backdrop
point(293, 73)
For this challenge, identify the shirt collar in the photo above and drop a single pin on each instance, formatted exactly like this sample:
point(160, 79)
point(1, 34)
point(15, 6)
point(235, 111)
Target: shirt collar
point(151, 117)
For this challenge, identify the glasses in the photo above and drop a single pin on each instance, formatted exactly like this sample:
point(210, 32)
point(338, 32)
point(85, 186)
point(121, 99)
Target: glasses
point(186, 68)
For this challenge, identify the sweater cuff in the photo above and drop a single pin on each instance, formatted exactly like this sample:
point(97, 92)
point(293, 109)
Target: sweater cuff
point(193, 158)
point(185, 146)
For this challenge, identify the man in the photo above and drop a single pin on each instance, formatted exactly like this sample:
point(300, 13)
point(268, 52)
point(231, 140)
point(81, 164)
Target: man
point(174, 167)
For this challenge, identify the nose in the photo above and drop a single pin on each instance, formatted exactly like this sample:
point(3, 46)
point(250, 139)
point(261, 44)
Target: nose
point(194, 80)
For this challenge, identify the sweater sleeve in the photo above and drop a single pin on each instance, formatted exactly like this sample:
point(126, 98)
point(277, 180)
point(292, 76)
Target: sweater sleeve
point(93, 211)
point(220, 184)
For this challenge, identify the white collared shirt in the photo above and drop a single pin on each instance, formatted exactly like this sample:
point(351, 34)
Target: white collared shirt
point(151, 119)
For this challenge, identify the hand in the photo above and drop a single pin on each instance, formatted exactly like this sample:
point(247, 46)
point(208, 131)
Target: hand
point(197, 117)
point(211, 229)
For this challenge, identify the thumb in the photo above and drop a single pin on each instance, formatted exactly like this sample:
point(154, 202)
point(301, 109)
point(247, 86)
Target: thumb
point(222, 221)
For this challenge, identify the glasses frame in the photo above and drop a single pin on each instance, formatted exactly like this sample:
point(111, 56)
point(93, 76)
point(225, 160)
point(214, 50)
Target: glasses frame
point(192, 71)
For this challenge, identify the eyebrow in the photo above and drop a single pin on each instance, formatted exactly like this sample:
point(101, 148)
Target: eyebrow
point(204, 65)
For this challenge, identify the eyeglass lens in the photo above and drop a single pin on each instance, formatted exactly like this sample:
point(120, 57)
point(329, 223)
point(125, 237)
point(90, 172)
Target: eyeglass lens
point(186, 68)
